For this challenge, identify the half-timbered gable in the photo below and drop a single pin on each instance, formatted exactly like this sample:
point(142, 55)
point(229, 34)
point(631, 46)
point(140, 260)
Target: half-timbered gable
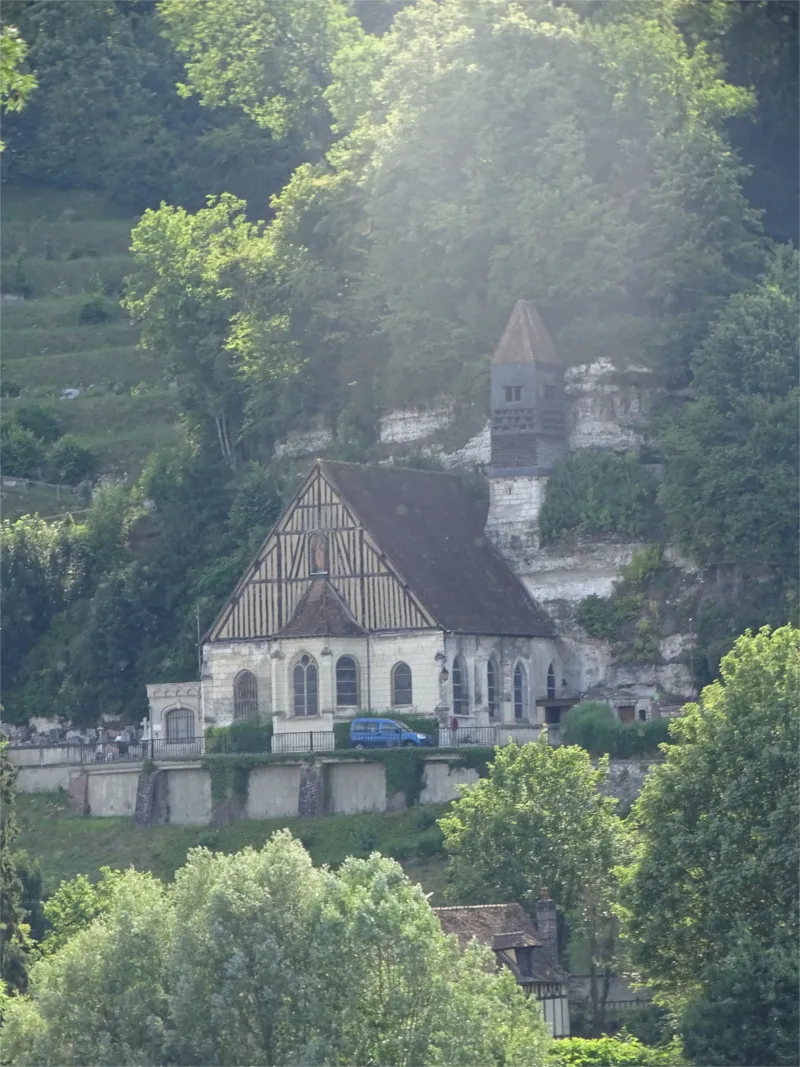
point(319, 536)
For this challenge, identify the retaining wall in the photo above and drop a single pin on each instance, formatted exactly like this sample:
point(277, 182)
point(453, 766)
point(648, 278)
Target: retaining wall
point(275, 790)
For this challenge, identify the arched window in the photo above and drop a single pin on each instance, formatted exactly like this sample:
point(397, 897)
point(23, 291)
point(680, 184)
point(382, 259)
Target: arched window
point(551, 681)
point(491, 688)
point(180, 724)
point(346, 682)
point(245, 695)
point(304, 678)
point(520, 692)
point(460, 688)
point(401, 686)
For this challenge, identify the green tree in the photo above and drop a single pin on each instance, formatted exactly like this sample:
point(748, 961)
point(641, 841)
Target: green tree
point(14, 929)
point(261, 958)
point(490, 152)
point(76, 904)
point(70, 461)
point(539, 819)
point(187, 297)
point(16, 83)
point(731, 455)
point(717, 853)
point(271, 60)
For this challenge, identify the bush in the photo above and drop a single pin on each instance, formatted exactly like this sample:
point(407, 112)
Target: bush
point(605, 617)
point(95, 310)
point(42, 420)
point(71, 462)
point(597, 492)
point(620, 1051)
point(244, 735)
point(593, 726)
point(22, 452)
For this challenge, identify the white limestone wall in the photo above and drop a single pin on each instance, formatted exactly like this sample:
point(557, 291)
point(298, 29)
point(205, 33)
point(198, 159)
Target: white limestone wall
point(601, 412)
point(441, 781)
point(534, 654)
point(572, 574)
point(112, 792)
point(188, 795)
point(403, 427)
point(305, 442)
point(273, 791)
point(222, 661)
point(375, 657)
point(167, 697)
point(355, 786)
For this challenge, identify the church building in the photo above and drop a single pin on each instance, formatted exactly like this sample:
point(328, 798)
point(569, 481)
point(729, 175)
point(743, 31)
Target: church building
point(384, 590)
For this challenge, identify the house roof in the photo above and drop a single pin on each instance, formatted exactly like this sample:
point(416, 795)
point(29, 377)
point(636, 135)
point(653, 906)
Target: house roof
point(431, 530)
point(525, 338)
point(506, 923)
point(321, 613)
point(501, 927)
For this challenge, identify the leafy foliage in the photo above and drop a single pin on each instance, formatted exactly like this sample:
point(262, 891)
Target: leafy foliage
point(730, 487)
point(621, 1051)
point(592, 725)
point(14, 930)
point(234, 965)
point(718, 847)
point(595, 492)
point(605, 617)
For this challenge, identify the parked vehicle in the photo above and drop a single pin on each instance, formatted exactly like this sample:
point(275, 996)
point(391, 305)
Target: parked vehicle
point(384, 733)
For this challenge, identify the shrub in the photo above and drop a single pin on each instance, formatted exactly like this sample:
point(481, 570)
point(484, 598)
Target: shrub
point(95, 310)
point(605, 617)
point(42, 420)
point(244, 735)
point(595, 492)
point(621, 1051)
point(592, 725)
point(71, 462)
point(22, 453)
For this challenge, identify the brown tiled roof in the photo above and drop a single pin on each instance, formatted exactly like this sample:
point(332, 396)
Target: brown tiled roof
point(485, 922)
point(321, 613)
point(431, 529)
point(525, 338)
point(501, 927)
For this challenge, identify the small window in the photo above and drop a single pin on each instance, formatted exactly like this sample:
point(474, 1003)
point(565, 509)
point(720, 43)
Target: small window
point(513, 393)
point(524, 961)
point(551, 681)
point(346, 682)
point(305, 686)
point(552, 716)
point(402, 696)
point(642, 715)
point(245, 695)
point(460, 688)
point(520, 692)
point(491, 688)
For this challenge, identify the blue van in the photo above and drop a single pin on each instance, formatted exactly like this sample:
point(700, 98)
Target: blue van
point(384, 733)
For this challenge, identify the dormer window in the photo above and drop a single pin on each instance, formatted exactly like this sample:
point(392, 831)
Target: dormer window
point(513, 393)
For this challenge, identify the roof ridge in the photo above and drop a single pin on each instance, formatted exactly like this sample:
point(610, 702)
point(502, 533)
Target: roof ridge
point(387, 467)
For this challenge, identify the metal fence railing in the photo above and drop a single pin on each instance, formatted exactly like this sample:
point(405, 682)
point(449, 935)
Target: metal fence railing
point(304, 742)
point(484, 736)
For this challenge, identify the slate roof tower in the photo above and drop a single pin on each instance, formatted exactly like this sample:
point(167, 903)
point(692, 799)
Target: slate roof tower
point(528, 423)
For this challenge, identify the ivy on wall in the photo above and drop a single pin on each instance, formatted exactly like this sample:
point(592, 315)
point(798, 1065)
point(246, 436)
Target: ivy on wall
point(596, 492)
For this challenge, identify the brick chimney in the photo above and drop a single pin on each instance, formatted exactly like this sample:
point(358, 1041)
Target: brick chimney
point(547, 927)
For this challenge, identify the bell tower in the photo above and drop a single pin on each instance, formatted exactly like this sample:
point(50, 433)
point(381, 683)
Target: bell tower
point(528, 428)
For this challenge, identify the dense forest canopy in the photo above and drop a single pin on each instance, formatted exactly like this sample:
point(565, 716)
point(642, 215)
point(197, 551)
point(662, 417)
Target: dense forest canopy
point(336, 205)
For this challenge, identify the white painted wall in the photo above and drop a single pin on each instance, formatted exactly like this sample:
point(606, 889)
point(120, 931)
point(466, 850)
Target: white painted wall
point(222, 661)
point(441, 781)
point(166, 697)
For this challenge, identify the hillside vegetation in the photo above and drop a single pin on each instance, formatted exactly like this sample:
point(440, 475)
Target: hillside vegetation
point(338, 221)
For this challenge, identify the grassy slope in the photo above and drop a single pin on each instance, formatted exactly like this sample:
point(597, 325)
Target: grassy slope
point(66, 246)
point(66, 844)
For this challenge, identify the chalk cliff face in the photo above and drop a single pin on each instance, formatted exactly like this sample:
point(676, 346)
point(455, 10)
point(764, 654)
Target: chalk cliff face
point(604, 409)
